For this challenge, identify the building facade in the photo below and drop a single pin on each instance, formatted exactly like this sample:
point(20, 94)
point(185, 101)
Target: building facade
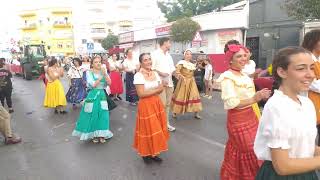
point(214, 33)
point(270, 28)
point(50, 26)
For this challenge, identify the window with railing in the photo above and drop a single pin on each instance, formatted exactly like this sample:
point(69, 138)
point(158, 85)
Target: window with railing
point(98, 30)
point(69, 45)
point(61, 21)
point(59, 45)
point(29, 24)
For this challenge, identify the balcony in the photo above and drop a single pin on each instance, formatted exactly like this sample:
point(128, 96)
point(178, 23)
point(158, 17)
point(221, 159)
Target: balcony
point(125, 23)
point(61, 11)
point(98, 33)
point(31, 26)
point(27, 14)
point(59, 24)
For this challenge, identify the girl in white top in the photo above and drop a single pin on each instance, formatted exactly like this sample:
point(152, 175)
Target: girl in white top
point(208, 78)
point(77, 90)
point(86, 63)
point(250, 67)
point(287, 131)
point(130, 67)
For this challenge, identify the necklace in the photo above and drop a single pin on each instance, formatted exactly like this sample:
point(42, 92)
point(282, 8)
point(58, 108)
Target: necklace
point(149, 75)
point(237, 70)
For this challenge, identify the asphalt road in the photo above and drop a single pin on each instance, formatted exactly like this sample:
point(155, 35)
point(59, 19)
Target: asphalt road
point(48, 150)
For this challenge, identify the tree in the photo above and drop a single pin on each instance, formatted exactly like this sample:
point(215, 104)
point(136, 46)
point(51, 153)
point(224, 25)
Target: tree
point(184, 29)
point(110, 41)
point(188, 8)
point(302, 10)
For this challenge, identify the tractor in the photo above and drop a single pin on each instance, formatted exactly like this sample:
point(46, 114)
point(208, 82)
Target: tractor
point(32, 55)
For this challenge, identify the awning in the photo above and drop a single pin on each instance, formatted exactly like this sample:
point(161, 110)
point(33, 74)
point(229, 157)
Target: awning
point(127, 45)
point(115, 50)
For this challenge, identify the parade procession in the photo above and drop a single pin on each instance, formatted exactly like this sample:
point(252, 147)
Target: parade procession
point(160, 90)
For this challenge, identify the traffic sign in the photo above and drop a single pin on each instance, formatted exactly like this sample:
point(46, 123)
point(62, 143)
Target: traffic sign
point(90, 46)
point(197, 37)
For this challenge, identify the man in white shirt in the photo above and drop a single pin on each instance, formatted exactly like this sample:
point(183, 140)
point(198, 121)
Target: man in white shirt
point(162, 62)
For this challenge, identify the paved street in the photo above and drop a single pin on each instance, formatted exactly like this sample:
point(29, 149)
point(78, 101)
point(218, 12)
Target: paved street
point(48, 150)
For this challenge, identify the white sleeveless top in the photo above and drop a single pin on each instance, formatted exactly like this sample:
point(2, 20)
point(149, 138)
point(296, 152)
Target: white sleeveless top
point(139, 79)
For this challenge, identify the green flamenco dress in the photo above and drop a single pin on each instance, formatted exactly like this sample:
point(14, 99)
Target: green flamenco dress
point(94, 116)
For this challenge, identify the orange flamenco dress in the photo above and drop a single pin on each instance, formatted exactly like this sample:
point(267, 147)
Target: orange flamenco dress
point(151, 133)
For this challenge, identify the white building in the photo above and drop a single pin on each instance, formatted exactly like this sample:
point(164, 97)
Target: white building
point(97, 18)
point(216, 29)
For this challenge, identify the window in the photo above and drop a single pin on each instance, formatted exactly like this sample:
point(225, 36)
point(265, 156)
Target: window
point(59, 45)
point(69, 45)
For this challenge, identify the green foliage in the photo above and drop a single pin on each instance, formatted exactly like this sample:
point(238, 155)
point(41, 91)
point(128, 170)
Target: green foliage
point(188, 8)
point(110, 41)
point(184, 29)
point(302, 10)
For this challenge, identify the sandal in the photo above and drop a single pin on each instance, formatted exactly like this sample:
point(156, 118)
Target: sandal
point(102, 140)
point(95, 140)
point(63, 112)
point(197, 116)
point(174, 115)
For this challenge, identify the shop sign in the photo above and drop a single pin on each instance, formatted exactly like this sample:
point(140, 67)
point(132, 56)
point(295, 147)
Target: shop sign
point(126, 37)
point(163, 31)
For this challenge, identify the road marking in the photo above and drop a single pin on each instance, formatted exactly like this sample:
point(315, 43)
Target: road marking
point(57, 126)
point(209, 141)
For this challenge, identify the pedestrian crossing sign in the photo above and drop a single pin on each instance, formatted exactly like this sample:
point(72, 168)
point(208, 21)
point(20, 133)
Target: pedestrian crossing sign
point(90, 46)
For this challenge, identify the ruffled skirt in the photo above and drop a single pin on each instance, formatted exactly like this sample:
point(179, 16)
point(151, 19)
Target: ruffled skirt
point(54, 95)
point(77, 91)
point(96, 123)
point(151, 133)
point(240, 161)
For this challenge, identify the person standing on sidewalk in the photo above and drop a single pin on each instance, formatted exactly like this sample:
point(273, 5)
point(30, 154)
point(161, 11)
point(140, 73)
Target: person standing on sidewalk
point(208, 78)
point(5, 85)
point(162, 63)
point(5, 127)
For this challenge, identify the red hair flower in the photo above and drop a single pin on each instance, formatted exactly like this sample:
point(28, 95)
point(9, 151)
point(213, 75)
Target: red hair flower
point(234, 48)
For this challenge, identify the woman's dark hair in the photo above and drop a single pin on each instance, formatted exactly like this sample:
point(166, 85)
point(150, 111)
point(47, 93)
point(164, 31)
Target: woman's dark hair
point(163, 40)
point(52, 61)
point(282, 60)
point(311, 39)
point(127, 51)
point(116, 55)
point(141, 56)
point(230, 42)
point(77, 59)
point(2, 62)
